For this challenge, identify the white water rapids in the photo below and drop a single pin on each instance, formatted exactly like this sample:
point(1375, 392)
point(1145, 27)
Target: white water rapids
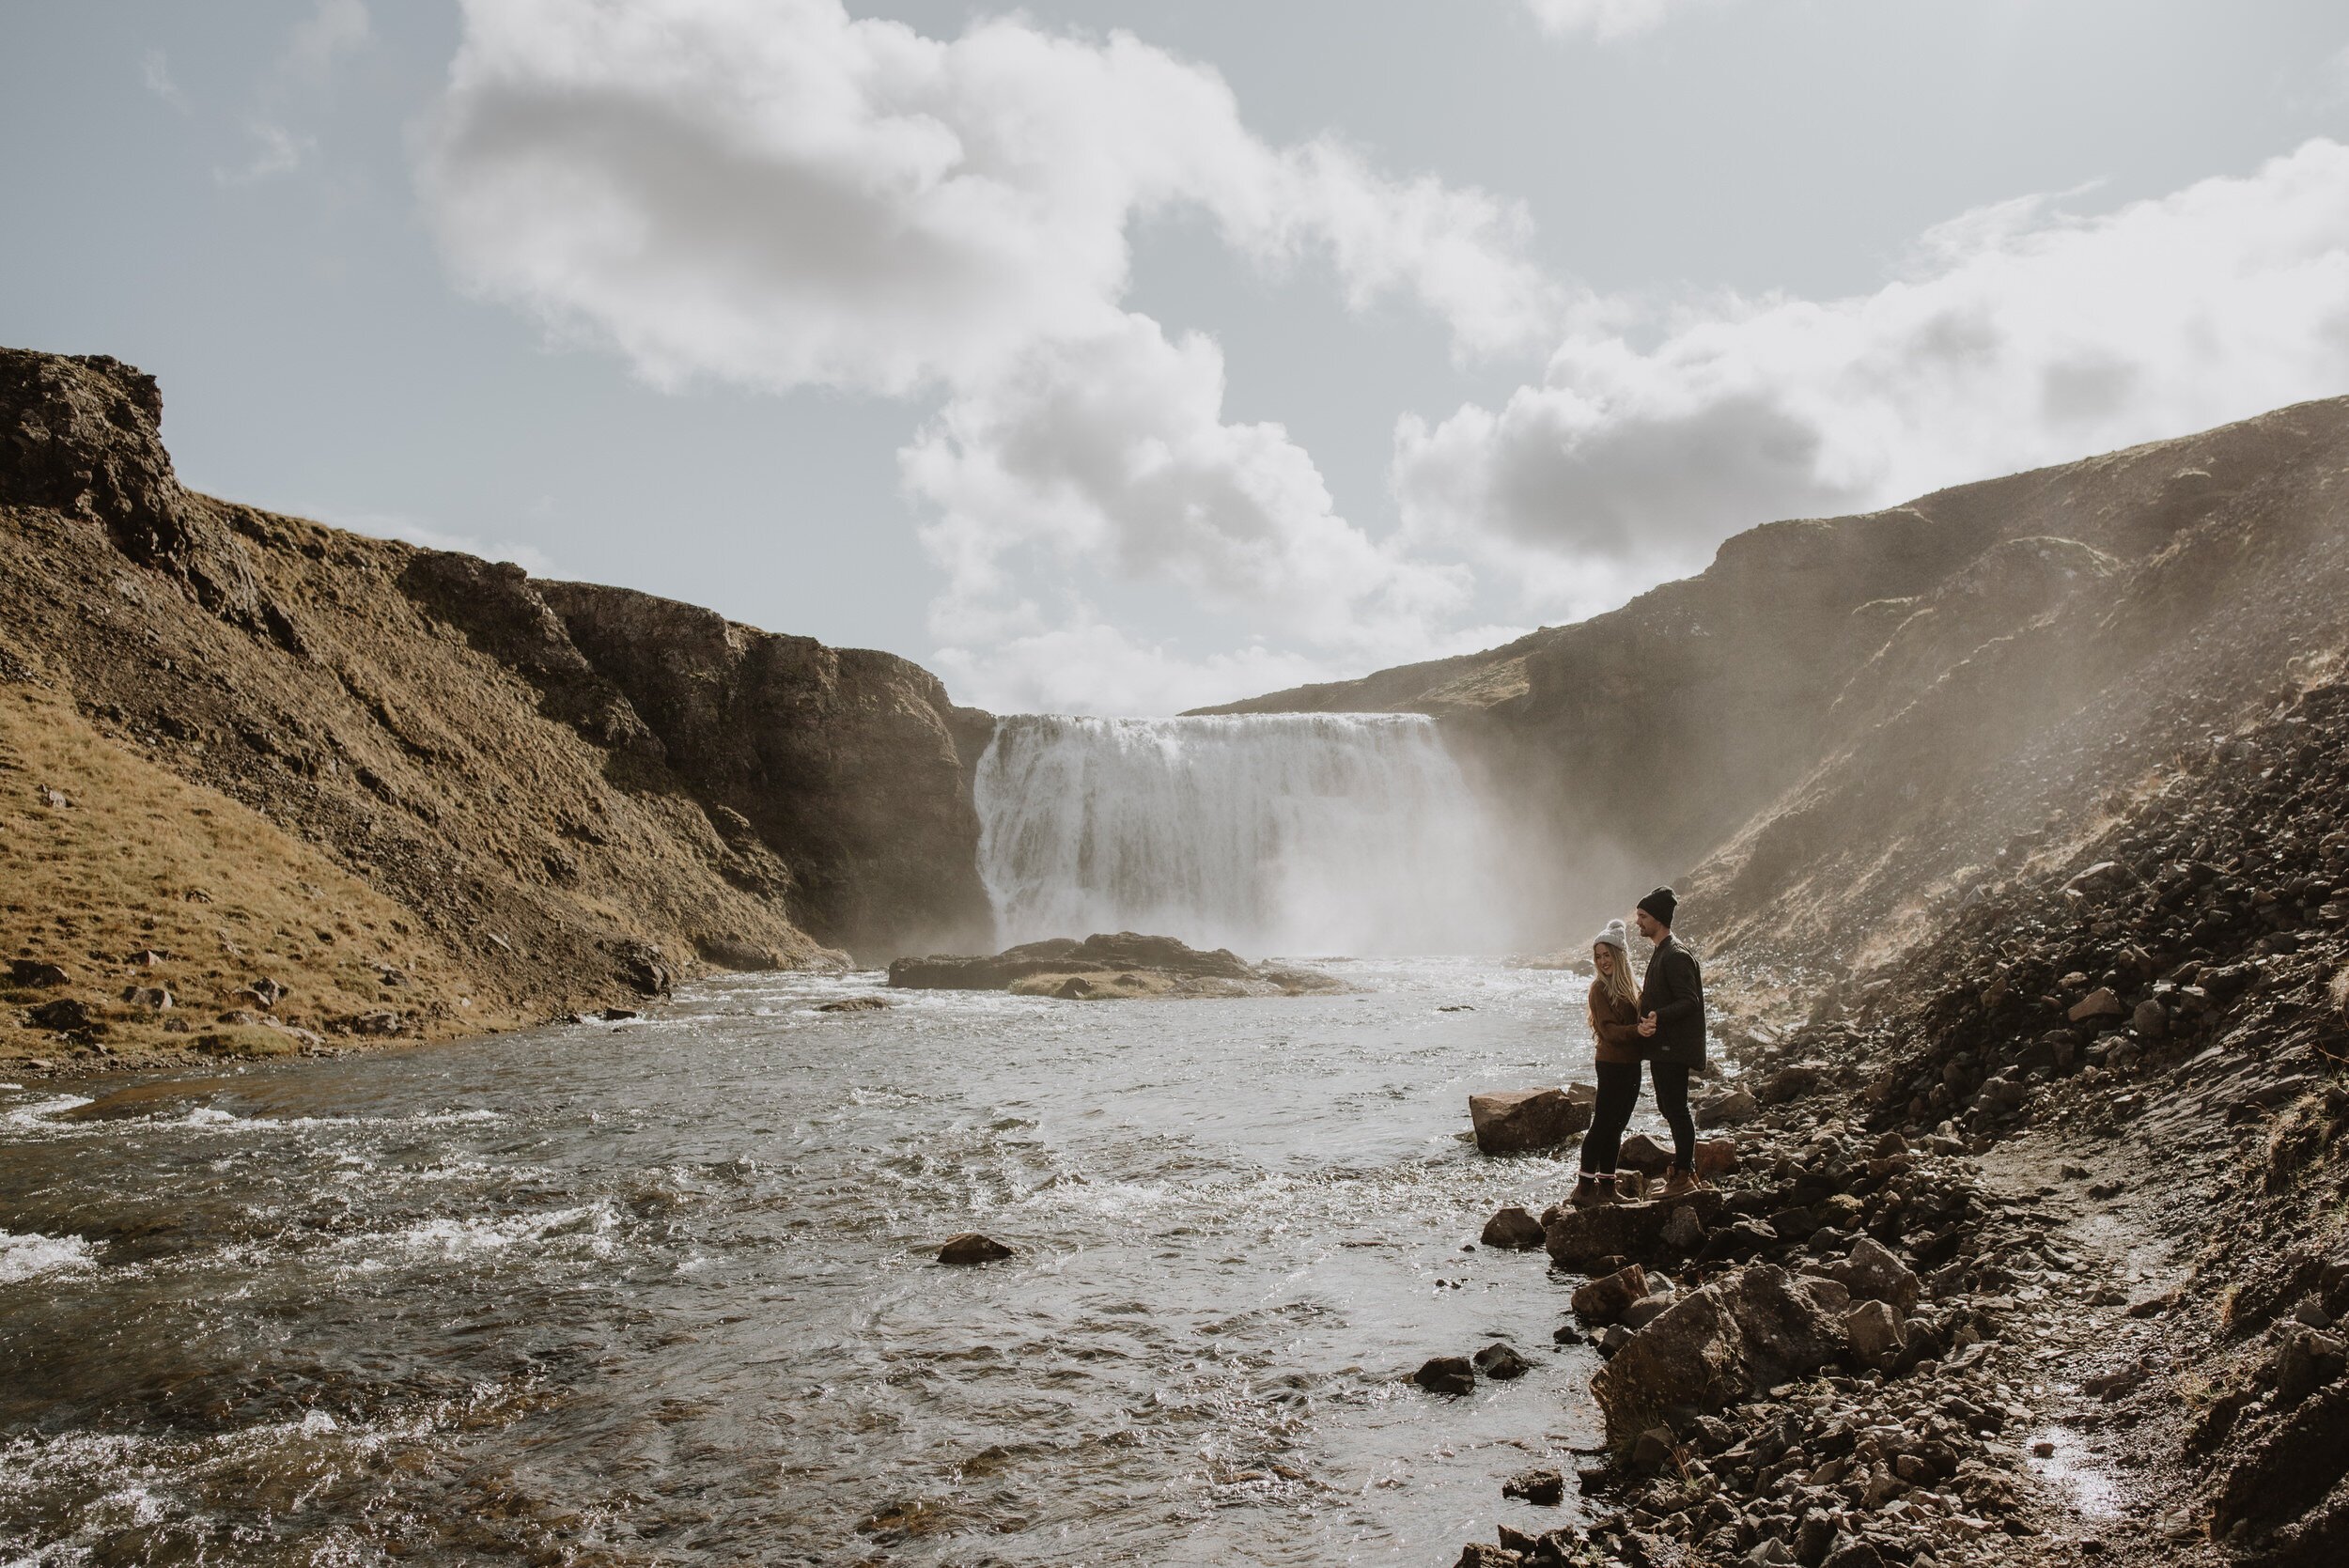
point(1266, 833)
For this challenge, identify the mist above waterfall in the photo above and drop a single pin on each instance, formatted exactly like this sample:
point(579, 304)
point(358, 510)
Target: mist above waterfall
point(1266, 833)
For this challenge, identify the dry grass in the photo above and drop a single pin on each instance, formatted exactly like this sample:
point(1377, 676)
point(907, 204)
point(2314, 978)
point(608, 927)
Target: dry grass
point(104, 854)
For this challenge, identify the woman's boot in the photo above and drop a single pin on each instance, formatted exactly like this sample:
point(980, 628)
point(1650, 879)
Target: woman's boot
point(1585, 1191)
point(1680, 1180)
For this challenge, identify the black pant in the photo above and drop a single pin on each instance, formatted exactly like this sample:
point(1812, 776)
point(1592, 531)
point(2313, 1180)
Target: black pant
point(1618, 1092)
point(1672, 1099)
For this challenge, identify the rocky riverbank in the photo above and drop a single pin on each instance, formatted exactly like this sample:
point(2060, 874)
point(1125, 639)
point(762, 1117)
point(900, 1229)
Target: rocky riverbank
point(2035, 1251)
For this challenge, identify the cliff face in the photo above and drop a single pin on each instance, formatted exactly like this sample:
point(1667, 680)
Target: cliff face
point(1838, 717)
point(558, 795)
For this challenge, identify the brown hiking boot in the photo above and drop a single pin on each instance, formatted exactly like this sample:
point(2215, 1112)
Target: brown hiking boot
point(1679, 1182)
point(1586, 1192)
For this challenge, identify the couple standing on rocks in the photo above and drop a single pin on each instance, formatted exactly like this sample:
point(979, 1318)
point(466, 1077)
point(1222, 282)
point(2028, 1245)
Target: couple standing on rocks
point(1660, 1022)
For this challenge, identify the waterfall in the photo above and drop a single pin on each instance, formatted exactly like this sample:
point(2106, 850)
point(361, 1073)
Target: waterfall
point(1266, 833)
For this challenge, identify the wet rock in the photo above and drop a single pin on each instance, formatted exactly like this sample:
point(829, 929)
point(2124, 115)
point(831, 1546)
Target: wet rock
point(1446, 1375)
point(1734, 1108)
point(644, 968)
point(1605, 1301)
point(1873, 1272)
point(969, 1247)
point(1484, 1554)
point(732, 953)
point(856, 1004)
point(1520, 1120)
point(1513, 1228)
point(617, 1014)
point(1545, 1488)
point(1502, 1363)
point(1579, 1239)
point(33, 974)
point(1757, 1327)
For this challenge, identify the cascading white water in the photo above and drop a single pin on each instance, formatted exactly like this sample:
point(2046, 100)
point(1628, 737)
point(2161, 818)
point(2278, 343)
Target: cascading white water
point(1266, 833)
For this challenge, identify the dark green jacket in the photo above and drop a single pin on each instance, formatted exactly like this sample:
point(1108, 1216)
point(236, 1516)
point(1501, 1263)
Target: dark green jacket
point(1674, 990)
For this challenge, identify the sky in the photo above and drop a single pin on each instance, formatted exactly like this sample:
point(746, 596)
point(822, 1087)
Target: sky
point(1118, 358)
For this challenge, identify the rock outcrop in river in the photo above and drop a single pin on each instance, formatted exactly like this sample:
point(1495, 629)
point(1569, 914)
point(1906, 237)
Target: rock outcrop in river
point(1106, 967)
point(265, 782)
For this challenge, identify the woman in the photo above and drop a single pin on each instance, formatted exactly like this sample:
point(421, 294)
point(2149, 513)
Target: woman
point(1616, 1023)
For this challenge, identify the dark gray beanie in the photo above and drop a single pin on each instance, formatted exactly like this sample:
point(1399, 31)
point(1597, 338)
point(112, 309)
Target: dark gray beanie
point(1661, 903)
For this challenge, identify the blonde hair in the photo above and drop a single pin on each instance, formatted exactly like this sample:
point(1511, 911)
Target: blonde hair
point(1617, 977)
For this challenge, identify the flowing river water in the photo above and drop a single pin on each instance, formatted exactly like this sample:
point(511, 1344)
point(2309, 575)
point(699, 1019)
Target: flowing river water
point(663, 1291)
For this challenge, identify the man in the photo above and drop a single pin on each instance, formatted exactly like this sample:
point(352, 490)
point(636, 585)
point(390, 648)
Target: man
point(1672, 1021)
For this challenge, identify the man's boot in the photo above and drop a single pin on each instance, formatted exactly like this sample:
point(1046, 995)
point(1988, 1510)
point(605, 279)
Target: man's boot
point(1680, 1181)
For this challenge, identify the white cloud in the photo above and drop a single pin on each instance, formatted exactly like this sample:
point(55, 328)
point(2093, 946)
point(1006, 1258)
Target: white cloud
point(772, 193)
point(2018, 334)
point(337, 29)
point(155, 75)
point(280, 152)
point(1602, 18)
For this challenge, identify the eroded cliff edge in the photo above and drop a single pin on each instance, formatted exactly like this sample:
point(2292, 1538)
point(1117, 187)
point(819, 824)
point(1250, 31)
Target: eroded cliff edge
point(423, 792)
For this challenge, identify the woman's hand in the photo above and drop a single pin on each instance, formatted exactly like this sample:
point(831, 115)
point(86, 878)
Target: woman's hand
point(1647, 1025)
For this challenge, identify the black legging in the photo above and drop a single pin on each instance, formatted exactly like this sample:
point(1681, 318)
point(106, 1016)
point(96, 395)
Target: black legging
point(1672, 1099)
point(1619, 1095)
point(1618, 1092)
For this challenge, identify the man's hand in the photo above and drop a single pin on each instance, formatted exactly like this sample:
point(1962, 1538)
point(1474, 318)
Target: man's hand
point(1647, 1024)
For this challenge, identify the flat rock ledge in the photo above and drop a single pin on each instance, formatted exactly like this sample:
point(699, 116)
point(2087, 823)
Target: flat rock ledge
point(1108, 968)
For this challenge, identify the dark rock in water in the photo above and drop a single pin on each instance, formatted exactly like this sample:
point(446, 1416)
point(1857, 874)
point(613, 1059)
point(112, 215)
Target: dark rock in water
point(1514, 1229)
point(1543, 1488)
point(642, 965)
point(855, 1004)
point(1520, 1120)
point(969, 1247)
point(1122, 964)
point(1579, 1238)
point(35, 975)
point(1566, 1334)
point(145, 1099)
point(1446, 1375)
point(1501, 1363)
point(617, 1014)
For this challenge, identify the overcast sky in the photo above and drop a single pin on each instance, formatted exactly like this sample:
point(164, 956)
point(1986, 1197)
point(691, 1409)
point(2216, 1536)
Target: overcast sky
point(1123, 358)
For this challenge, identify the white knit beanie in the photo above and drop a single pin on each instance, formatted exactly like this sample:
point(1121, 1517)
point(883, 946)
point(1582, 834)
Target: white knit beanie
point(1614, 936)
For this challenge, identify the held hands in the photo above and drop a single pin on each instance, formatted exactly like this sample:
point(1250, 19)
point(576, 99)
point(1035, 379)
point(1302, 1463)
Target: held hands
point(1647, 1025)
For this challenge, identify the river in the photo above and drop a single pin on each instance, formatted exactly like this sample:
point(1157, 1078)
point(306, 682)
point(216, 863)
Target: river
point(662, 1291)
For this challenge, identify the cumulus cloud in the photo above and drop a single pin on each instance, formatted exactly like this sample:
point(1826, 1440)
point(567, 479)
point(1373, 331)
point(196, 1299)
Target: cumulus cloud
point(1602, 18)
point(2016, 334)
point(775, 194)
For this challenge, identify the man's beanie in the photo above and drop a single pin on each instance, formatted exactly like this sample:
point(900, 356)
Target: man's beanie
point(1661, 903)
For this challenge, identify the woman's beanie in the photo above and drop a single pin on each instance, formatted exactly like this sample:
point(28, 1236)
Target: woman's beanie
point(1661, 903)
point(1614, 937)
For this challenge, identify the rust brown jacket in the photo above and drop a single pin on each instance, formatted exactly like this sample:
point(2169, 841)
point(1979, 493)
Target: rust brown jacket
point(1616, 1024)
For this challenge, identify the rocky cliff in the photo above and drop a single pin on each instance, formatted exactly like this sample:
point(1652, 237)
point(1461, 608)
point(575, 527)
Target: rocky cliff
point(422, 792)
point(1836, 727)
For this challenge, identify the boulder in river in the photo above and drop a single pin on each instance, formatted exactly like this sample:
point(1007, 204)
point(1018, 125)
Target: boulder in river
point(1513, 1228)
point(1446, 1375)
point(1519, 1121)
point(1110, 966)
point(1543, 1488)
point(1501, 1363)
point(969, 1247)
